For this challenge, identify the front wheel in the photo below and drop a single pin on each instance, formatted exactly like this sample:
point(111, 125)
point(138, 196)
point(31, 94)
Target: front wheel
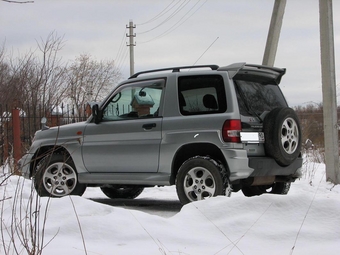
point(56, 177)
point(199, 178)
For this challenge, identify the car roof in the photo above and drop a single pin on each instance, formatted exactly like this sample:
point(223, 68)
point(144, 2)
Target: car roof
point(236, 70)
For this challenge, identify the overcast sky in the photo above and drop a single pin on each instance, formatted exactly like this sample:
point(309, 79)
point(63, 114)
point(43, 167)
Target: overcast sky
point(174, 33)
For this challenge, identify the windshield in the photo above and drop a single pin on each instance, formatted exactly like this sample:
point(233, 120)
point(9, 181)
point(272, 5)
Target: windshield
point(255, 98)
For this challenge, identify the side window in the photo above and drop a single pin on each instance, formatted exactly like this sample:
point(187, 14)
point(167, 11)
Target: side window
point(134, 101)
point(201, 95)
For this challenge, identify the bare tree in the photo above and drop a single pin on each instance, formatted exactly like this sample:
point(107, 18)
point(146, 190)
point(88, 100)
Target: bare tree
point(90, 80)
point(311, 119)
point(11, 85)
point(50, 72)
point(4, 73)
point(34, 81)
point(39, 78)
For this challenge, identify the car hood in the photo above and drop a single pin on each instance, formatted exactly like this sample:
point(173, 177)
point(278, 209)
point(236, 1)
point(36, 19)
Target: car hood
point(69, 131)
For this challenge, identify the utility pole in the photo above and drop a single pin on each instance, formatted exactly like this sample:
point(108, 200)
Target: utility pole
point(131, 44)
point(274, 33)
point(329, 92)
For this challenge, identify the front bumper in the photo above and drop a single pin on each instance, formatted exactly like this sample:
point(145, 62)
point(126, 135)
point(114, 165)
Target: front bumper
point(24, 165)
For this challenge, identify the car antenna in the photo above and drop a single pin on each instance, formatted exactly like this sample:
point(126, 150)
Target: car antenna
point(206, 50)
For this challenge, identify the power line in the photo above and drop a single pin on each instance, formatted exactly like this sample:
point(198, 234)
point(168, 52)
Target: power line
point(123, 59)
point(177, 25)
point(119, 52)
point(162, 13)
point(173, 14)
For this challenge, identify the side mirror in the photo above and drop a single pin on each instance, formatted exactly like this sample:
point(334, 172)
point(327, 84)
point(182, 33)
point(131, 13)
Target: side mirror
point(43, 123)
point(97, 114)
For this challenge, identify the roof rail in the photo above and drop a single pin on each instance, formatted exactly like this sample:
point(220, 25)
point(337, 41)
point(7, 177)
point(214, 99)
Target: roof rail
point(174, 69)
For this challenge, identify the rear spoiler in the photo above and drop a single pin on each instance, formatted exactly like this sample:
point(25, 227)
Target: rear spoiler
point(259, 73)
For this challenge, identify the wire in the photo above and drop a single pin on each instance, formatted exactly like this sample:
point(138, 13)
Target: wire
point(179, 8)
point(122, 54)
point(123, 60)
point(119, 52)
point(159, 14)
point(174, 27)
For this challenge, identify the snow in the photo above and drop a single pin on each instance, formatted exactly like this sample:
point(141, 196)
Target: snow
point(306, 221)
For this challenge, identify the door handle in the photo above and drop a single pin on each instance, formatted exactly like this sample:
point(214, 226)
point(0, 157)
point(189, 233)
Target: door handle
point(149, 126)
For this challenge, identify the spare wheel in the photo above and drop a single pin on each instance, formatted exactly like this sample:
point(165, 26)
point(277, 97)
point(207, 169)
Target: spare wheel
point(282, 133)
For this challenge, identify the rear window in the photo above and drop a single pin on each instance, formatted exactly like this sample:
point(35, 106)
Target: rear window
point(256, 97)
point(201, 95)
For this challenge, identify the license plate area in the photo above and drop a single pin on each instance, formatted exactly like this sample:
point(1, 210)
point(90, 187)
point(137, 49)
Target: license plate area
point(252, 137)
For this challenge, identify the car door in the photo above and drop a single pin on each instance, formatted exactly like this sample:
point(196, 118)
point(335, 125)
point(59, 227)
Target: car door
point(128, 137)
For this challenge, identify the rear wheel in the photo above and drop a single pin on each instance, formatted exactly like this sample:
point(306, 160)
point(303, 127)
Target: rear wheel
point(281, 188)
point(122, 191)
point(199, 178)
point(56, 176)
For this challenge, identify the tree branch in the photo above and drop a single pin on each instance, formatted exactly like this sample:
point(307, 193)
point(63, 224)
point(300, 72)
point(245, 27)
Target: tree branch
point(18, 2)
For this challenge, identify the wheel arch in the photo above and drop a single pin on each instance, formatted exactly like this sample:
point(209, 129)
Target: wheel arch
point(194, 149)
point(44, 151)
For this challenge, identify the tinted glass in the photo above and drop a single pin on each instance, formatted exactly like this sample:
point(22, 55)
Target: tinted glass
point(258, 97)
point(201, 95)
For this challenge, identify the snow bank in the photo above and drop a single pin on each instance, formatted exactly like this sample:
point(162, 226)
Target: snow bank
point(306, 221)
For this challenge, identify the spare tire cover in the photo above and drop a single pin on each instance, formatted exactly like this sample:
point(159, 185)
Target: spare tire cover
point(282, 133)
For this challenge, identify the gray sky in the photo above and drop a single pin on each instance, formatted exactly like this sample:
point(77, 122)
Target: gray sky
point(178, 32)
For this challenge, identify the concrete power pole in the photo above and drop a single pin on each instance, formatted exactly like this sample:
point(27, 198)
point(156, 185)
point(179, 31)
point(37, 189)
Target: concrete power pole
point(274, 33)
point(131, 44)
point(329, 92)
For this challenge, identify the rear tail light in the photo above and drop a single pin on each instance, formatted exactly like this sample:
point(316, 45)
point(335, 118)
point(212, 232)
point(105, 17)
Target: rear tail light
point(231, 131)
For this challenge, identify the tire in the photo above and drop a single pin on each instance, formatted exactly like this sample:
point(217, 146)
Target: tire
point(121, 191)
point(56, 176)
point(199, 178)
point(282, 133)
point(280, 188)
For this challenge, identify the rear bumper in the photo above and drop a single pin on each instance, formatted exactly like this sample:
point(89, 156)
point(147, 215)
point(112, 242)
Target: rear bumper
point(264, 166)
point(238, 164)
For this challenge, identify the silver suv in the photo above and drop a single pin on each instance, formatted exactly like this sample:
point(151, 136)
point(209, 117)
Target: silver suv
point(209, 130)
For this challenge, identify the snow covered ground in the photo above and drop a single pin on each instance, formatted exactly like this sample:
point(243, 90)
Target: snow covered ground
point(306, 221)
